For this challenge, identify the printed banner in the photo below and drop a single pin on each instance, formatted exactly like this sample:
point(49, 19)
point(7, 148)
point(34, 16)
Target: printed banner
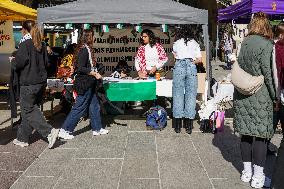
point(123, 44)
point(7, 43)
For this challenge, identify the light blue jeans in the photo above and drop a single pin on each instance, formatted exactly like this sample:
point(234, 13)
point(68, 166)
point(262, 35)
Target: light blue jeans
point(184, 89)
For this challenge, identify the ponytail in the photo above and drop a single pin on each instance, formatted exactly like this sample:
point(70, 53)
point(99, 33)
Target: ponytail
point(36, 37)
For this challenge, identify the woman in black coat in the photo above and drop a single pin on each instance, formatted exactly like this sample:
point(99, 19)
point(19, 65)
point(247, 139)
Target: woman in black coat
point(30, 63)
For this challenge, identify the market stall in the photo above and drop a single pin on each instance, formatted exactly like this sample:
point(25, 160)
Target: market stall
point(135, 12)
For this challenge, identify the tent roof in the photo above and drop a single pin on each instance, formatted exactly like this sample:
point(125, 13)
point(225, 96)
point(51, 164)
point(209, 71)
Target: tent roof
point(10, 10)
point(243, 10)
point(123, 11)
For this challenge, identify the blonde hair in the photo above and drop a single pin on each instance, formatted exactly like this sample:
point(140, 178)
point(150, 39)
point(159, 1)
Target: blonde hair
point(36, 37)
point(260, 25)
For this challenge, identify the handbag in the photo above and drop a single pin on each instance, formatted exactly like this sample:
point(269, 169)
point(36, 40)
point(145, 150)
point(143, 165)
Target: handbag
point(244, 82)
point(220, 119)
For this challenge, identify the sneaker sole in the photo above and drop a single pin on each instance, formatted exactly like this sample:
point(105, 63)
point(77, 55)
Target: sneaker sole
point(59, 136)
point(246, 181)
point(21, 145)
point(53, 139)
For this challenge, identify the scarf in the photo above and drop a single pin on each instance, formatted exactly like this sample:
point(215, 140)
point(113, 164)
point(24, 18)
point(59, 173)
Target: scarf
point(25, 37)
point(279, 48)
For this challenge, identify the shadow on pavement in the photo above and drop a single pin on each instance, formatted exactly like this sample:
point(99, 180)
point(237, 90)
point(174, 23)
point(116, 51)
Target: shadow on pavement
point(229, 146)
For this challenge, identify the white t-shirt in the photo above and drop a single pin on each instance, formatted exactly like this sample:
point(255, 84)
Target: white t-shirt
point(189, 50)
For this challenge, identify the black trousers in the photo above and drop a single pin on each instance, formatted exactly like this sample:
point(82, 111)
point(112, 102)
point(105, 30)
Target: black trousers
point(32, 118)
point(278, 174)
point(254, 149)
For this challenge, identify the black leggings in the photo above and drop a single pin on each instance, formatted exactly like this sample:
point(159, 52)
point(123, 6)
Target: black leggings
point(254, 149)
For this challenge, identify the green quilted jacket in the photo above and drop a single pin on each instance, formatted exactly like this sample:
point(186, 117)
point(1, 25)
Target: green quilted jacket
point(253, 115)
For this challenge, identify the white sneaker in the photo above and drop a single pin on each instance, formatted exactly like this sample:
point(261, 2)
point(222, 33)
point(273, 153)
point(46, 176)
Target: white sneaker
point(101, 132)
point(65, 135)
point(257, 182)
point(52, 137)
point(104, 131)
point(19, 143)
point(246, 176)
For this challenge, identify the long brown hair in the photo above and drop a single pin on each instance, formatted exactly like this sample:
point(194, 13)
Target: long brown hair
point(85, 38)
point(260, 25)
point(280, 30)
point(35, 32)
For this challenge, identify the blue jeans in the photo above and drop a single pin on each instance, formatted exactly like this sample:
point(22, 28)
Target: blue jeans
point(87, 102)
point(184, 89)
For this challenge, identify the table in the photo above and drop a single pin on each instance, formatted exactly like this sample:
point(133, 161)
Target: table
point(130, 90)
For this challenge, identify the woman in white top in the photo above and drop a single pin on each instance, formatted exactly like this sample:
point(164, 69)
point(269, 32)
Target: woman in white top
point(187, 53)
point(151, 56)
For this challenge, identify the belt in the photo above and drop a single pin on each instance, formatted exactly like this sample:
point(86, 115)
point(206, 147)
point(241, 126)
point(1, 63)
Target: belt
point(186, 59)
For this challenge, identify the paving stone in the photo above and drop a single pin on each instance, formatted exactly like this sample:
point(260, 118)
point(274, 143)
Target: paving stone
point(220, 153)
point(140, 184)
point(90, 174)
point(140, 157)
point(179, 164)
point(35, 183)
point(231, 183)
point(8, 178)
point(104, 146)
point(46, 168)
point(58, 154)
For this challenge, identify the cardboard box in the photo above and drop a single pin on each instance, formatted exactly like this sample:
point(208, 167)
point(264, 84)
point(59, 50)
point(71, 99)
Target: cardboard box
point(201, 82)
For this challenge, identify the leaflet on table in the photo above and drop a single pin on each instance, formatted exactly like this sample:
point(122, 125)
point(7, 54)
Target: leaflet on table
point(55, 84)
point(111, 79)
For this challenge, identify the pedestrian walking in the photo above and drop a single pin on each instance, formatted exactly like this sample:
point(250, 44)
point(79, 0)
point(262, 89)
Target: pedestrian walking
point(85, 86)
point(30, 63)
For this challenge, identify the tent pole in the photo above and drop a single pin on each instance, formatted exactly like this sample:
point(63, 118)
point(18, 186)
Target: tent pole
point(208, 64)
point(217, 42)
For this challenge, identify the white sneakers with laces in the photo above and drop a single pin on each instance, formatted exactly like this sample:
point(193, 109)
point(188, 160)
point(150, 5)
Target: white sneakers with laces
point(101, 132)
point(19, 143)
point(257, 182)
point(246, 176)
point(260, 182)
point(52, 137)
point(65, 135)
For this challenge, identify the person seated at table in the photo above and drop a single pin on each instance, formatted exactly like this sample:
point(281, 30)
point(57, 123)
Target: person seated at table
point(121, 70)
point(151, 56)
point(85, 86)
point(187, 53)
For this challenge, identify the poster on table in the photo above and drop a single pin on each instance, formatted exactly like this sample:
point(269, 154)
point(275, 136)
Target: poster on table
point(123, 44)
point(7, 43)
